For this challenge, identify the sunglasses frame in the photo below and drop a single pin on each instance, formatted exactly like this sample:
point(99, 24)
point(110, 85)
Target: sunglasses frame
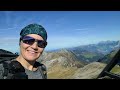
point(26, 40)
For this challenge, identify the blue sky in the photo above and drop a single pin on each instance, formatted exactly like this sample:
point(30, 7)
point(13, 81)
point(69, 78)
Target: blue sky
point(65, 28)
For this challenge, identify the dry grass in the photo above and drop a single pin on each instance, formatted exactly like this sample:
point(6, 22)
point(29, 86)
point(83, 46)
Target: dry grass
point(116, 69)
point(59, 72)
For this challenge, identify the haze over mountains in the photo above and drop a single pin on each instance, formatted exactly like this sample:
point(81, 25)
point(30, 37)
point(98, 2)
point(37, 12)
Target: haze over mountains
point(83, 62)
point(108, 57)
point(94, 52)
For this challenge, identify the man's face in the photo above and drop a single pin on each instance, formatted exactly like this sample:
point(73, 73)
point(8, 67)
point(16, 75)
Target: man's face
point(31, 52)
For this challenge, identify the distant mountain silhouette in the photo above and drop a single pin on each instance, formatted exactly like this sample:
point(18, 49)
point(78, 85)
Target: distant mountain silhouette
point(6, 55)
point(2, 51)
point(94, 52)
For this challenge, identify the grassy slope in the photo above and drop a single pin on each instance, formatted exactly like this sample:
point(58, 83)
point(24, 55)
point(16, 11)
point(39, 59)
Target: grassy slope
point(59, 72)
point(116, 69)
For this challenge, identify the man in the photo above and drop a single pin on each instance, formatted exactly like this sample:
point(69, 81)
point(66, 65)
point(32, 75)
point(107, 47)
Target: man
point(33, 40)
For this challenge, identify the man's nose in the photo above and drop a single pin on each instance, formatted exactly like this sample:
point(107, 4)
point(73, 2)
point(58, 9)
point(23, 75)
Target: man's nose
point(34, 45)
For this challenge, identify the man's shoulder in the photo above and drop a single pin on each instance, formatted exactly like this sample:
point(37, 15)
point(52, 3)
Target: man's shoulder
point(38, 64)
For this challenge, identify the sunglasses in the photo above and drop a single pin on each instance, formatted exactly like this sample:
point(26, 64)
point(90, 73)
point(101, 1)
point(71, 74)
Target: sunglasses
point(30, 40)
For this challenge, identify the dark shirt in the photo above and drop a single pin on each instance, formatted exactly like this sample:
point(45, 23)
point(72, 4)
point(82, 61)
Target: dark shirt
point(31, 74)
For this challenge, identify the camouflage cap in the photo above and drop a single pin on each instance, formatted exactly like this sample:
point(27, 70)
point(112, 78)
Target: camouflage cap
point(34, 29)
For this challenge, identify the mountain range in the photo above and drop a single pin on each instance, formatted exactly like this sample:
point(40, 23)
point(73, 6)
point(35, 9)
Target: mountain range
point(83, 62)
point(64, 64)
point(94, 52)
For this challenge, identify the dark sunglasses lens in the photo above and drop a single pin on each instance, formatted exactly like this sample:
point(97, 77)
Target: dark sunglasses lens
point(42, 44)
point(29, 41)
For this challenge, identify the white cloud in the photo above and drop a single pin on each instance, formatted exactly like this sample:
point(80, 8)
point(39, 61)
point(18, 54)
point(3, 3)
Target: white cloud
point(81, 29)
point(9, 40)
point(4, 29)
